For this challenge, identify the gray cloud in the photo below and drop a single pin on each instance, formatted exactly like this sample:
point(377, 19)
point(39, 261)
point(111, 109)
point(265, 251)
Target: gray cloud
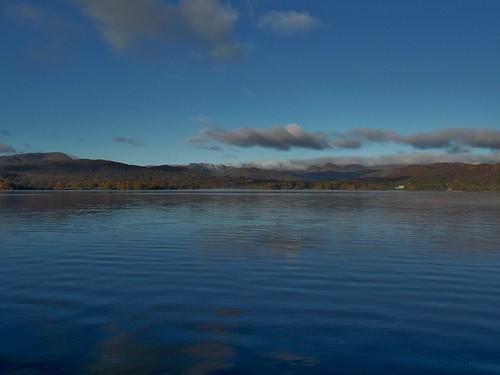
point(123, 23)
point(288, 22)
point(129, 141)
point(285, 137)
point(201, 141)
point(214, 148)
point(210, 148)
point(480, 138)
point(370, 135)
point(278, 137)
point(458, 149)
point(4, 133)
point(454, 139)
point(128, 24)
point(209, 19)
point(388, 159)
point(6, 149)
point(346, 143)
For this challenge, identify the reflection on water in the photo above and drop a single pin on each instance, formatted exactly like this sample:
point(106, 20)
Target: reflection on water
point(249, 283)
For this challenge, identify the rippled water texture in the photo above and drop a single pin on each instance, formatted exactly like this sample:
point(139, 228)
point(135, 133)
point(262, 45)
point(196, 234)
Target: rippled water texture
point(249, 283)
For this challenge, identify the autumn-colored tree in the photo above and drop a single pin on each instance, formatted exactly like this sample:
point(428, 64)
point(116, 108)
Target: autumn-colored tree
point(4, 185)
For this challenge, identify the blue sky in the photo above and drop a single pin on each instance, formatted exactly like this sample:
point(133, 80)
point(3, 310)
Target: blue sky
point(157, 81)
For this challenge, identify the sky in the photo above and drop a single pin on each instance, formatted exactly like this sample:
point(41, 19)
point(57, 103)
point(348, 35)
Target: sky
point(269, 82)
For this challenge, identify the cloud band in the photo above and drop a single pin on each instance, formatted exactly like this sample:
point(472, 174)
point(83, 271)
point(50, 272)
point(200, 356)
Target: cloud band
point(285, 137)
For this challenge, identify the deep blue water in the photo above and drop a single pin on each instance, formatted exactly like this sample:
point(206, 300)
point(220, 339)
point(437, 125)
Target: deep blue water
point(249, 283)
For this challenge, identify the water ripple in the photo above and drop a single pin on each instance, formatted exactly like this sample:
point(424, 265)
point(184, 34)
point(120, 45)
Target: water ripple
point(249, 283)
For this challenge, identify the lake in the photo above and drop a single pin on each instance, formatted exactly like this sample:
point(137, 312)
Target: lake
point(249, 283)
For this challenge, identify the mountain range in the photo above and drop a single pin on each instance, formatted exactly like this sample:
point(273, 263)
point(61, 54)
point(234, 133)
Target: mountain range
point(60, 171)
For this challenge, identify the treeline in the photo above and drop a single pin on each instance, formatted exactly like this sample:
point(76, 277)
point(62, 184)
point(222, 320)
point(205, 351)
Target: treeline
point(105, 175)
point(410, 184)
point(36, 182)
point(359, 184)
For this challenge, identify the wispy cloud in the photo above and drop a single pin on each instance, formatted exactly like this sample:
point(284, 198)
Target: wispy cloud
point(27, 147)
point(288, 22)
point(201, 141)
point(229, 156)
point(211, 148)
point(388, 159)
point(249, 93)
point(24, 12)
point(203, 119)
point(128, 24)
point(6, 149)
point(228, 52)
point(54, 35)
point(4, 133)
point(130, 141)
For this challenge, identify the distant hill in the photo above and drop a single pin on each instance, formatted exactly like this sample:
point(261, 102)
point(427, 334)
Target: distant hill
point(33, 158)
point(327, 171)
point(59, 171)
point(448, 176)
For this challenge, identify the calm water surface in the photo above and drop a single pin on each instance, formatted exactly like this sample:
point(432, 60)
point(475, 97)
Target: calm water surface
point(249, 283)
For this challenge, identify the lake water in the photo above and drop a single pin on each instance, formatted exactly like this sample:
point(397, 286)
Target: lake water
point(249, 283)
